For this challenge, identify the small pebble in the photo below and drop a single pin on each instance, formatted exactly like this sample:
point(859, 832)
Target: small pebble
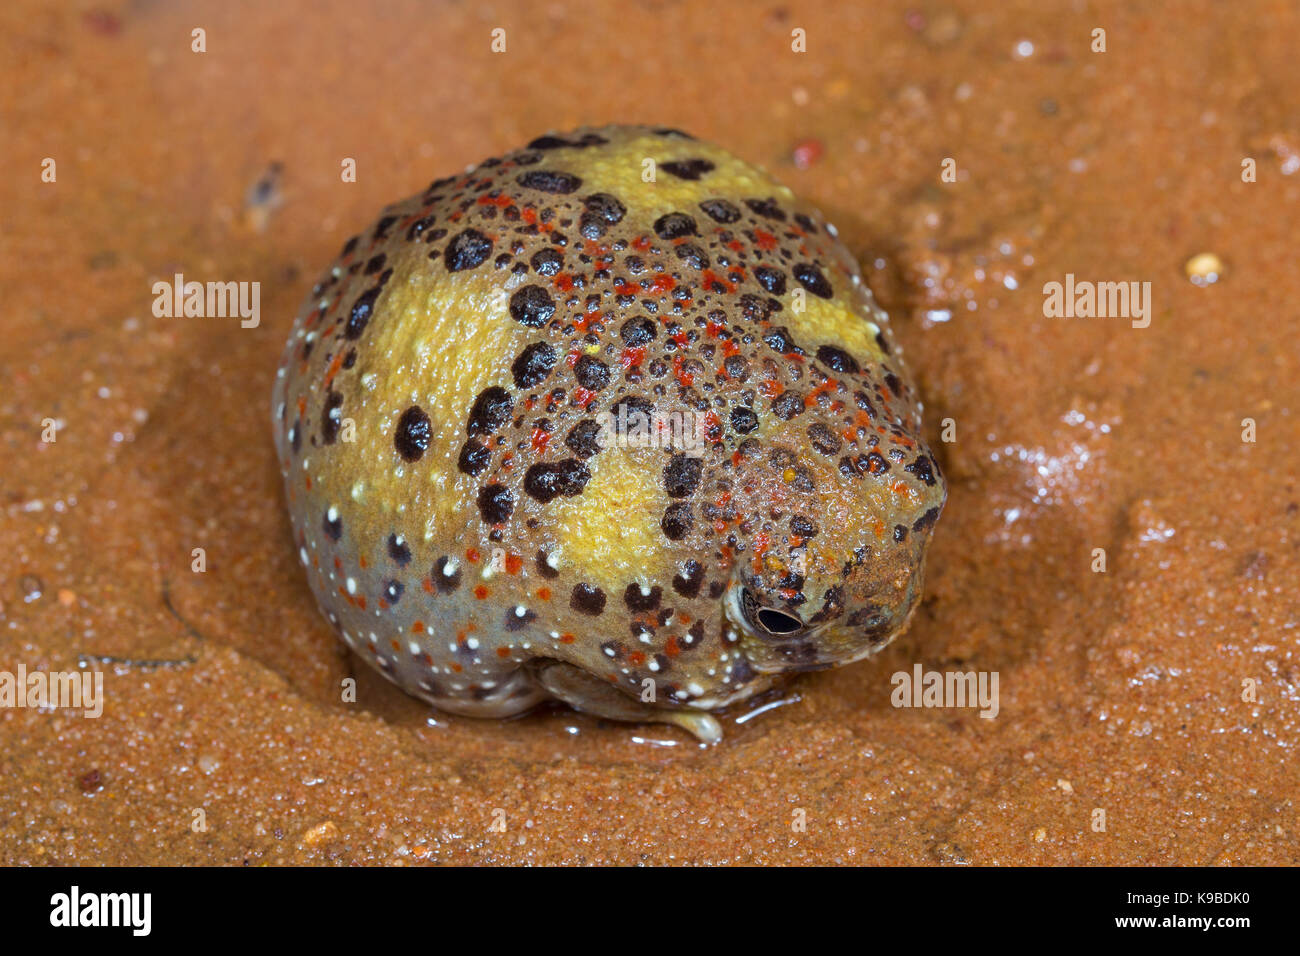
point(807, 152)
point(1204, 269)
point(32, 587)
point(324, 833)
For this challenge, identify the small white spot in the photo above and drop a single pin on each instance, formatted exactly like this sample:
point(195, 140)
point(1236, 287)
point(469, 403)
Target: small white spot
point(352, 585)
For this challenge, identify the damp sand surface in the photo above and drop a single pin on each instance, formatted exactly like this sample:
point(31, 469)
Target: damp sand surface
point(1159, 695)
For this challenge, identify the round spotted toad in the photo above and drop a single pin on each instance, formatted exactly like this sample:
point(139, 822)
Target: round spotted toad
point(611, 419)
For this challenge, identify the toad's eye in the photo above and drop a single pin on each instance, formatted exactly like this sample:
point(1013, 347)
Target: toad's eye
point(778, 622)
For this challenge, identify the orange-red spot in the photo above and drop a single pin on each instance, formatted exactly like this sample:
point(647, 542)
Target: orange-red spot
point(333, 370)
point(686, 379)
point(662, 283)
point(417, 627)
point(766, 241)
point(567, 638)
point(503, 652)
point(543, 593)
point(427, 584)
point(514, 564)
point(709, 278)
point(481, 592)
point(541, 438)
point(671, 647)
point(471, 554)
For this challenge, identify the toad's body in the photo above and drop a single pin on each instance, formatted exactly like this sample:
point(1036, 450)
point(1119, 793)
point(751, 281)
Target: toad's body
point(551, 430)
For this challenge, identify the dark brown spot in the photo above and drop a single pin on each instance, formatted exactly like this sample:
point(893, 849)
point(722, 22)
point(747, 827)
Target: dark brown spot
point(467, 250)
point(399, 551)
point(811, 278)
point(587, 599)
point(837, 360)
point(412, 435)
point(689, 579)
point(491, 410)
point(637, 331)
point(545, 481)
point(823, 439)
point(495, 503)
point(533, 364)
point(549, 181)
point(677, 521)
point(691, 169)
point(474, 457)
point(591, 373)
point(773, 280)
point(674, 225)
point(787, 405)
point(543, 568)
point(719, 210)
point(743, 419)
point(637, 600)
point(583, 439)
point(532, 306)
point(682, 475)
point(362, 309)
point(445, 582)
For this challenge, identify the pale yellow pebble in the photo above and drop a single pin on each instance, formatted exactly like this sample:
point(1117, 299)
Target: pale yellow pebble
point(1204, 268)
point(324, 833)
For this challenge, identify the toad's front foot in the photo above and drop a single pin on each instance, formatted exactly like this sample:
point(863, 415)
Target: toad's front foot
point(589, 694)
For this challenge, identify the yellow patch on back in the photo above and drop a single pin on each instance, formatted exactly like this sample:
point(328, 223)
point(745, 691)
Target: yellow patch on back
point(618, 171)
point(612, 530)
point(825, 321)
point(452, 339)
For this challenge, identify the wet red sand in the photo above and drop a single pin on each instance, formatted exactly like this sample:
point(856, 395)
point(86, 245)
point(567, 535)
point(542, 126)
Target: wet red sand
point(1120, 691)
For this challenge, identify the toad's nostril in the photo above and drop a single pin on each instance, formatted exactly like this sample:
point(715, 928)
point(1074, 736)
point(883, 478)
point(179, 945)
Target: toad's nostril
point(778, 622)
